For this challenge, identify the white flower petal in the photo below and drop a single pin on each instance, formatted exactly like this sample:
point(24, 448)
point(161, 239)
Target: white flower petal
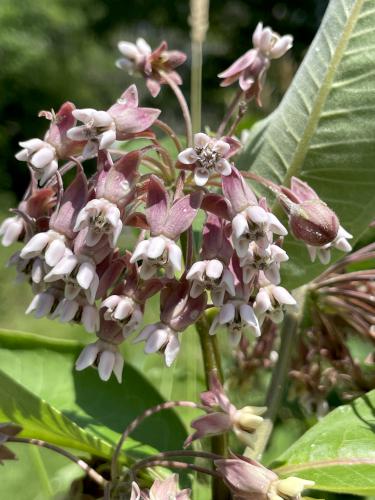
point(201, 176)
point(83, 115)
point(214, 269)
point(42, 158)
point(281, 46)
point(196, 271)
point(188, 156)
point(275, 225)
point(239, 225)
point(140, 251)
point(124, 309)
point(34, 246)
point(221, 147)
point(227, 313)
point(107, 138)
point(90, 319)
point(224, 167)
point(128, 49)
point(171, 350)
point(283, 296)
point(175, 256)
point(118, 367)
point(32, 144)
point(263, 301)
point(143, 46)
point(156, 340)
point(55, 252)
point(106, 364)
point(86, 274)
point(156, 247)
point(87, 357)
point(200, 140)
point(257, 214)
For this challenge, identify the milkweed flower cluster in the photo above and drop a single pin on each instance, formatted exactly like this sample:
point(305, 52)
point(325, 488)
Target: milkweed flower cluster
point(82, 271)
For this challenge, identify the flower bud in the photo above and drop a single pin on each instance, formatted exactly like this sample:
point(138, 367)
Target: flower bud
point(313, 222)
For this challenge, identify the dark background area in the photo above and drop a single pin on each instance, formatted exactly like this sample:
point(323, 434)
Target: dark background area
point(57, 50)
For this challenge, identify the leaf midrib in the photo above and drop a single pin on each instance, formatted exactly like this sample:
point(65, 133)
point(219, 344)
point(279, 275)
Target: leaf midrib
point(322, 94)
point(292, 468)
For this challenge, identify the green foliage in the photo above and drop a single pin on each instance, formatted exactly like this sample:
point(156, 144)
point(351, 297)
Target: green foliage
point(338, 453)
point(46, 368)
point(323, 131)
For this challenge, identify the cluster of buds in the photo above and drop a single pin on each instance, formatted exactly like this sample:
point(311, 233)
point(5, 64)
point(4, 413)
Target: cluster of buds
point(342, 305)
point(80, 270)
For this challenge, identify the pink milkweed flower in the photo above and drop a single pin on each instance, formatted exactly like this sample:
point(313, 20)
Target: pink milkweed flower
point(209, 156)
point(251, 68)
point(266, 259)
point(250, 221)
point(271, 301)
point(11, 229)
point(79, 311)
point(78, 273)
point(248, 479)
point(50, 245)
point(177, 311)
point(101, 217)
point(211, 275)
point(238, 316)
point(104, 353)
point(166, 222)
point(151, 64)
point(166, 489)
point(123, 310)
point(224, 416)
point(43, 155)
point(313, 222)
point(101, 128)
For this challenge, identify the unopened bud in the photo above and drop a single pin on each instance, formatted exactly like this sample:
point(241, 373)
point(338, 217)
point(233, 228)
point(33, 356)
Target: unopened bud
point(290, 488)
point(313, 222)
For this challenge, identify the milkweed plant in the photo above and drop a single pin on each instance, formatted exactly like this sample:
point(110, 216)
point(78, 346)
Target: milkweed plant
point(212, 240)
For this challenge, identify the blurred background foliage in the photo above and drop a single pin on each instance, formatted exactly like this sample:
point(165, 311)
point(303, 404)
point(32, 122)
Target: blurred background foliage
point(57, 50)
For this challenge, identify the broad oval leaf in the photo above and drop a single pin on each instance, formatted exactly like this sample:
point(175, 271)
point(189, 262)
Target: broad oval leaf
point(338, 453)
point(45, 367)
point(324, 129)
point(40, 420)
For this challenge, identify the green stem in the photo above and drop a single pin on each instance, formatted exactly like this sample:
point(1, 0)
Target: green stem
point(211, 361)
point(196, 85)
point(277, 385)
point(276, 389)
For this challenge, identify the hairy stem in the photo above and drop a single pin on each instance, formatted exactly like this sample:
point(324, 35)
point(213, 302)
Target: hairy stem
point(196, 85)
point(136, 422)
point(183, 104)
point(84, 466)
point(211, 361)
point(170, 132)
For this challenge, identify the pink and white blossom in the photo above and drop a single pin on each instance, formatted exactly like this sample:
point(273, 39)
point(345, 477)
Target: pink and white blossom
point(211, 275)
point(271, 301)
point(238, 317)
point(50, 245)
point(125, 311)
point(158, 253)
point(207, 157)
point(106, 356)
point(255, 224)
point(41, 156)
point(101, 217)
point(151, 64)
point(78, 273)
point(160, 337)
point(11, 229)
point(266, 259)
point(324, 253)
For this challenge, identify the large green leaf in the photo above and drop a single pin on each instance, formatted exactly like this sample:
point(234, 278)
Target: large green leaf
point(40, 420)
point(338, 453)
point(46, 368)
point(324, 129)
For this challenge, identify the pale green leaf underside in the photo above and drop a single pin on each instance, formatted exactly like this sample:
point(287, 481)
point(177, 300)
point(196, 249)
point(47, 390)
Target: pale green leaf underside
point(338, 453)
point(324, 129)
